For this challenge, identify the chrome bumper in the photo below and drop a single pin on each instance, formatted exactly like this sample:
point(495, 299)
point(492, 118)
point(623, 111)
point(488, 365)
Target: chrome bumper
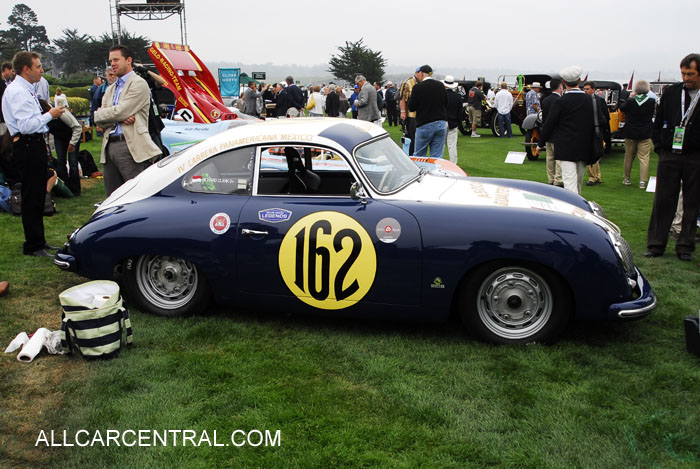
point(65, 261)
point(638, 307)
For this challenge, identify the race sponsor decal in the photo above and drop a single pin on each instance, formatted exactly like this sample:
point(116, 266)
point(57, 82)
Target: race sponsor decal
point(274, 215)
point(327, 260)
point(540, 202)
point(215, 114)
point(437, 283)
point(388, 230)
point(219, 223)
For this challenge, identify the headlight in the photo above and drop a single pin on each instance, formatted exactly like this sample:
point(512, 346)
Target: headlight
point(597, 209)
point(623, 251)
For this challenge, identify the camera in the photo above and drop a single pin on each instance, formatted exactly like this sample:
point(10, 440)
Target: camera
point(141, 71)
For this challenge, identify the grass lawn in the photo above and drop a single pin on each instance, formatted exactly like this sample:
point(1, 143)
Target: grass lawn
point(369, 394)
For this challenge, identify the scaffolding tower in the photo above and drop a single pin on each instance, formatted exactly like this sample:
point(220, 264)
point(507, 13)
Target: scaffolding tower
point(150, 10)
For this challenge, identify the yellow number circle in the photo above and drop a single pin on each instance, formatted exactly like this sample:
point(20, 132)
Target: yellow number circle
point(327, 260)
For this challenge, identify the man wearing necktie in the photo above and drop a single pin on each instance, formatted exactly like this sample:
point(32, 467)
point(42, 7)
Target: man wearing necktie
point(126, 145)
point(27, 126)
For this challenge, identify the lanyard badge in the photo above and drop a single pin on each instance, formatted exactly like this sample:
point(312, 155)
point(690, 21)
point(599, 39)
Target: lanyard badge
point(678, 136)
point(679, 131)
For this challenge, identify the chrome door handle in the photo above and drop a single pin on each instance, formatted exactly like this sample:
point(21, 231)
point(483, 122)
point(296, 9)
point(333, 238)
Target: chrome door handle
point(247, 232)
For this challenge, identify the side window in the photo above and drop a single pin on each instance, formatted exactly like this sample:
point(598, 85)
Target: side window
point(230, 172)
point(303, 171)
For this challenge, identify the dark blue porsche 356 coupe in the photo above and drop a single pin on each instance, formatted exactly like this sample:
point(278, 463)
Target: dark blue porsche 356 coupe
point(330, 216)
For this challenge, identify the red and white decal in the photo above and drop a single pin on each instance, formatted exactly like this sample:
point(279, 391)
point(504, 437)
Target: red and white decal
point(219, 223)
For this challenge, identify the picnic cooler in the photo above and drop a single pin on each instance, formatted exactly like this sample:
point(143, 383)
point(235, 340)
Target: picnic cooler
point(94, 320)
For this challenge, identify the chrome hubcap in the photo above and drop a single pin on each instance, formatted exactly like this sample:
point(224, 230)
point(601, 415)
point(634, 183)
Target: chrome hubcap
point(166, 282)
point(514, 303)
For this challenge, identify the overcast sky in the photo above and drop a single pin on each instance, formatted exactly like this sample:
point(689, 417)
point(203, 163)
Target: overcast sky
point(607, 38)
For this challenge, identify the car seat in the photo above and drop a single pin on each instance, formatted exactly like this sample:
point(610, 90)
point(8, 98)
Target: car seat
point(301, 180)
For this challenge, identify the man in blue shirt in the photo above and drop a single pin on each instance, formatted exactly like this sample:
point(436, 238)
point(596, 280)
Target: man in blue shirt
point(532, 100)
point(353, 97)
point(26, 123)
point(126, 144)
point(94, 104)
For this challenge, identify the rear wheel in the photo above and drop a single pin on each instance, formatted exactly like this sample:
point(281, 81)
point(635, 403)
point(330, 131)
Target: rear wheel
point(513, 303)
point(532, 136)
point(164, 285)
point(494, 125)
point(465, 127)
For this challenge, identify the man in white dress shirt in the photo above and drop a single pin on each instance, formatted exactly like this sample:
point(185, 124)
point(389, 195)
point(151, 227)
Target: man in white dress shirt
point(504, 103)
point(27, 126)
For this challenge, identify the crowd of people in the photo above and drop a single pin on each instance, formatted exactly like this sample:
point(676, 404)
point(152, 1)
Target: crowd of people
point(574, 118)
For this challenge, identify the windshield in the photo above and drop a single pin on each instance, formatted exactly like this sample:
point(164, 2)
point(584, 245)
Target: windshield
point(385, 165)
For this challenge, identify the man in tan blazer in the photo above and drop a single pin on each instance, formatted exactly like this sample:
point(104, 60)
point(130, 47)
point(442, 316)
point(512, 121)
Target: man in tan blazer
point(126, 143)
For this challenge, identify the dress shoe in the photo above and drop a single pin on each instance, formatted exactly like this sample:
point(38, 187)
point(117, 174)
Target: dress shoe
point(48, 247)
point(653, 254)
point(4, 288)
point(684, 256)
point(39, 253)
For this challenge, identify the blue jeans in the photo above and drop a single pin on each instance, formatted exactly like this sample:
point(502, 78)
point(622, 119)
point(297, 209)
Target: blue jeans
point(504, 119)
point(431, 135)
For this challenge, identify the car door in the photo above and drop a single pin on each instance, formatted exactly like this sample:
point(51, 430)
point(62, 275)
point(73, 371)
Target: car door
point(322, 247)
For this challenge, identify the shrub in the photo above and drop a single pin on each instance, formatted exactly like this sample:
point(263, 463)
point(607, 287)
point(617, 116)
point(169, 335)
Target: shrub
point(51, 79)
point(79, 92)
point(79, 106)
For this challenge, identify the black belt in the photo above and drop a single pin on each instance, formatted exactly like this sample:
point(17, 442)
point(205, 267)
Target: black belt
point(17, 137)
point(117, 138)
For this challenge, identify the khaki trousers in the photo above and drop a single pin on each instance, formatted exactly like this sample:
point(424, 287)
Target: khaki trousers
point(594, 172)
point(641, 149)
point(553, 166)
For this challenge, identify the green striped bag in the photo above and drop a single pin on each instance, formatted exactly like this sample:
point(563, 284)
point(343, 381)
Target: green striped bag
point(94, 320)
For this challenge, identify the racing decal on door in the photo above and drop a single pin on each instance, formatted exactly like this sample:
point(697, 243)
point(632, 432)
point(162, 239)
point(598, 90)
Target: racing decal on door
point(219, 223)
point(274, 215)
point(327, 260)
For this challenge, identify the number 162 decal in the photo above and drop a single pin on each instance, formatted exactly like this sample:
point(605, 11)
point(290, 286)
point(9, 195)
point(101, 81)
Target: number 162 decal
point(327, 260)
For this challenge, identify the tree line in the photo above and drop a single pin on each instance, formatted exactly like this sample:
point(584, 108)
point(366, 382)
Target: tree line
point(71, 53)
point(75, 53)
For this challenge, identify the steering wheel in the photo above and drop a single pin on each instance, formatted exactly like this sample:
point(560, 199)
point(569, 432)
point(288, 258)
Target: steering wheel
point(385, 179)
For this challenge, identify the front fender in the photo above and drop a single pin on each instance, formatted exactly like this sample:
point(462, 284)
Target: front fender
point(530, 122)
point(458, 239)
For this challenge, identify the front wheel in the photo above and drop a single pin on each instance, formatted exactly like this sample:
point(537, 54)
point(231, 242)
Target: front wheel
point(532, 136)
point(165, 286)
point(513, 303)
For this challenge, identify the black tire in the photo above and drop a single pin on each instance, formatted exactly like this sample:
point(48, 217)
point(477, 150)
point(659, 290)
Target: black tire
point(522, 131)
point(493, 123)
point(510, 302)
point(532, 136)
point(465, 127)
point(165, 286)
